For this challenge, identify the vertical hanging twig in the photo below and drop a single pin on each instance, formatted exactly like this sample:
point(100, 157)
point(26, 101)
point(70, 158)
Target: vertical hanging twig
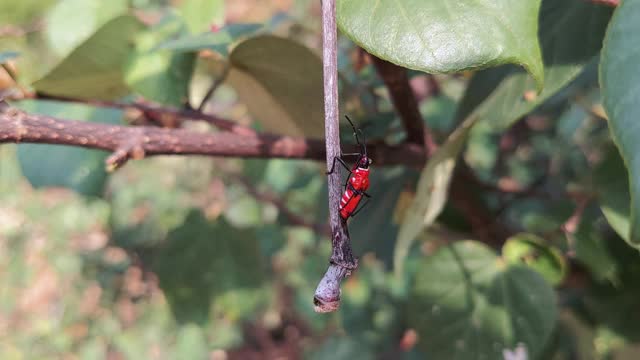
point(342, 262)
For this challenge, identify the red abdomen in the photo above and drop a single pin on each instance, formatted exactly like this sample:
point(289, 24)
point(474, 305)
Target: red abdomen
point(358, 183)
point(349, 203)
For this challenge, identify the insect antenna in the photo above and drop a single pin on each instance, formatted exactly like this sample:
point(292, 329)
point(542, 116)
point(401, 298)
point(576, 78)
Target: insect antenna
point(363, 144)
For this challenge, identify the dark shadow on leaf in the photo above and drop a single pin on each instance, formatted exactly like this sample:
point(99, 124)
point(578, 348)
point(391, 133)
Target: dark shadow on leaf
point(202, 260)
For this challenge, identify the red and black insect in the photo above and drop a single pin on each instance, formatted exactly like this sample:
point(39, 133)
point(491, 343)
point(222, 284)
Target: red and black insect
point(358, 181)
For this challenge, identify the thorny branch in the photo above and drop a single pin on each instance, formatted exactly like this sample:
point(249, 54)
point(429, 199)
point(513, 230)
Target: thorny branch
point(342, 262)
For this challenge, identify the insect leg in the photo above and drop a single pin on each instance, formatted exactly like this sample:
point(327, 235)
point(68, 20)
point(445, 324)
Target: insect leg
point(333, 165)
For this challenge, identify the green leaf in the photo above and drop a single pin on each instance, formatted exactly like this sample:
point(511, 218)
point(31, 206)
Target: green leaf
point(531, 250)
point(280, 81)
point(161, 76)
point(95, 69)
point(621, 90)
point(71, 22)
point(202, 261)
point(431, 194)
point(8, 55)
point(571, 33)
point(201, 14)
point(467, 304)
point(53, 165)
point(591, 250)
point(612, 186)
point(442, 36)
point(218, 41)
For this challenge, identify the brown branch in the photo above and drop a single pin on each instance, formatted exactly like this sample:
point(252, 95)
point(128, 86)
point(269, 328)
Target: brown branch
point(397, 81)
point(463, 197)
point(342, 262)
point(128, 142)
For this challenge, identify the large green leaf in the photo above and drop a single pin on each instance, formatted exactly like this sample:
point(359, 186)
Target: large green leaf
point(95, 69)
point(621, 92)
point(218, 41)
point(280, 81)
point(612, 186)
point(441, 36)
point(71, 22)
point(202, 261)
point(163, 77)
point(466, 303)
point(53, 165)
point(431, 194)
point(201, 14)
point(571, 33)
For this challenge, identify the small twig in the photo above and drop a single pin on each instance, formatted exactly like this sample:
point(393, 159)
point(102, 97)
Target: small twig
point(214, 86)
point(160, 113)
point(342, 262)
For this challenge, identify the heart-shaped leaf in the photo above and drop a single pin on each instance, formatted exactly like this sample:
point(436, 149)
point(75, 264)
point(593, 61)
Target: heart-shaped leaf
point(466, 303)
point(571, 33)
point(203, 260)
point(442, 36)
point(53, 165)
point(280, 81)
point(95, 69)
point(621, 94)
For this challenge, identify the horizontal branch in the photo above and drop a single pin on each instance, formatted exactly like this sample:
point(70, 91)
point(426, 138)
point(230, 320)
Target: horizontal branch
point(136, 142)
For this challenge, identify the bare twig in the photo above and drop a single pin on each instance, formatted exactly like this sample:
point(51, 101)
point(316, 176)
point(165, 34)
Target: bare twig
point(342, 262)
point(135, 142)
point(162, 114)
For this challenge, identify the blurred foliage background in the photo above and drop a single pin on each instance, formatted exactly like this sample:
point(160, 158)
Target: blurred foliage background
point(200, 258)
